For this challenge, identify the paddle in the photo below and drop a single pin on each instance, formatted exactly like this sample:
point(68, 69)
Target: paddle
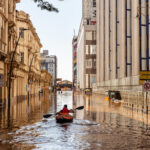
point(49, 115)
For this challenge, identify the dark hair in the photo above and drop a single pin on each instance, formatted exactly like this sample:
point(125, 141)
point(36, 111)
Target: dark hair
point(65, 106)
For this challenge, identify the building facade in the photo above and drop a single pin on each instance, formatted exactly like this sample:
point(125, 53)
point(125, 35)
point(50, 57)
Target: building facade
point(50, 64)
point(74, 61)
point(7, 42)
point(86, 47)
point(26, 72)
point(123, 47)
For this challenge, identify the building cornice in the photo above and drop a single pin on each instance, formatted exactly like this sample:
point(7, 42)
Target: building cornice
point(23, 17)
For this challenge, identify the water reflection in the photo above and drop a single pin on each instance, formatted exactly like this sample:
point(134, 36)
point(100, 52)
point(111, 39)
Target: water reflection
point(101, 125)
point(21, 113)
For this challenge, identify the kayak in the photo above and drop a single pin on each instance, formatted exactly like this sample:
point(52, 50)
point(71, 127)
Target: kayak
point(64, 117)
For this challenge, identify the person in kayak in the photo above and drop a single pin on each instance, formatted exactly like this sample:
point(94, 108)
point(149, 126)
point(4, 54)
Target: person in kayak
point(66, 110)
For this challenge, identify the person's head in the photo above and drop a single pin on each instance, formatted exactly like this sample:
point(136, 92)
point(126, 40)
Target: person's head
point(65, 106)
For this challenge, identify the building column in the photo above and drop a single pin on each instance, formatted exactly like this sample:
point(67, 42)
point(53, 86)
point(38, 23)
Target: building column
point(135, 36)
point(98, 70)
point(114, 19)
point(122, 40)
point(101, 49)
point(106, 39)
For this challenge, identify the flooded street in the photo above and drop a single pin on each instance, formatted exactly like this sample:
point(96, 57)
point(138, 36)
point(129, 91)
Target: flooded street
point(101, 125)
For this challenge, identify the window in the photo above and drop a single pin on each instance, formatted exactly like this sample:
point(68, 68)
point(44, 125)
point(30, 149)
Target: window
point(94, 35)
point(88, 21)
point(21, 32)
point(89, 35)
point(94, 3)
point(22, 57)
point(94, 13)
point(88, 64)
point(87, 49)
point(94, 63)
point(92, 49)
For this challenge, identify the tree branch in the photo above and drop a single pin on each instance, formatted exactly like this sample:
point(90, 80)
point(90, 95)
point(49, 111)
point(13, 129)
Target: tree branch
point(44, 5)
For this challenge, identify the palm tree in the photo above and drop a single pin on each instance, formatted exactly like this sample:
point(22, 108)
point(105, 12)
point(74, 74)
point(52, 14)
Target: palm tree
point(45, 5)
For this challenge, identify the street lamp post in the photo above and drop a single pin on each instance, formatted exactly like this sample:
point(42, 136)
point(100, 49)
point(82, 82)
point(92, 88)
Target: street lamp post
point(11, 66)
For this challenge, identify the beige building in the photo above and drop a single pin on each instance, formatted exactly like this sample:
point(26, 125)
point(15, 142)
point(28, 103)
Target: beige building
point(7, 41)
point(46, 81)
point(86, 46)
point(27, 72)
point(122, 45)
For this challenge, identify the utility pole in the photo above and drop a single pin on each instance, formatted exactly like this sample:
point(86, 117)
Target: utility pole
point(11, 65)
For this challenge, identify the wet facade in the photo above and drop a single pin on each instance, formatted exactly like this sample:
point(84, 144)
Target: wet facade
point(27, 71)
point(7, 42)
point(122, 45)
point(86, 46)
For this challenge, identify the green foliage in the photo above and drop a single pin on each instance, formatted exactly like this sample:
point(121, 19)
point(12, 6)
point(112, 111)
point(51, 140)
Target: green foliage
point(45, 5)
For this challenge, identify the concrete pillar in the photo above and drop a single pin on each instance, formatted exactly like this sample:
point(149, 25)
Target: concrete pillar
point(114, 39)
point(98, 43)
point(123, 39)
point(106, 39)
point(101, 26)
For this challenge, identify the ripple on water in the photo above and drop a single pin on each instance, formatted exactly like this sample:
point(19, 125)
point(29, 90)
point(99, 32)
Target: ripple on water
point(49, 135)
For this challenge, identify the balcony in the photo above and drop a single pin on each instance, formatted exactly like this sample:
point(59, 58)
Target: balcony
point(16, 58)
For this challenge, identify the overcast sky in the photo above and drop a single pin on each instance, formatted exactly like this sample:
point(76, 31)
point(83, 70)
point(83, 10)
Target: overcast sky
point(56, 30)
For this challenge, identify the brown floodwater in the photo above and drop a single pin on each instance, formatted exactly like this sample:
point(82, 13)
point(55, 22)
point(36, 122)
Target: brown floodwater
point(101, 125)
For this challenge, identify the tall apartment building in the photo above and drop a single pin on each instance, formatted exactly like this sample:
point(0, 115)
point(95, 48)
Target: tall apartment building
point(86, 48)
point(122, 44)
point(50, 64)
point(74, 61)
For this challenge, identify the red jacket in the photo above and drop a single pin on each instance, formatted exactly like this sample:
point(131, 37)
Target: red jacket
point(65, 110)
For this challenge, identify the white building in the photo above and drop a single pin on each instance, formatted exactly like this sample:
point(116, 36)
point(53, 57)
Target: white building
point(123, 54)
point(86, 48)
point(50, 64)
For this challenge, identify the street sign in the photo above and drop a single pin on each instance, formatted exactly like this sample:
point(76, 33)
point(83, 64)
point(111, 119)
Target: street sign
point(144, 76)
point(1, 80)
point(146, 86)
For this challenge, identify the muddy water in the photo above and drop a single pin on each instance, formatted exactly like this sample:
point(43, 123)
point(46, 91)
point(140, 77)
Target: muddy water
point(102, 125)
